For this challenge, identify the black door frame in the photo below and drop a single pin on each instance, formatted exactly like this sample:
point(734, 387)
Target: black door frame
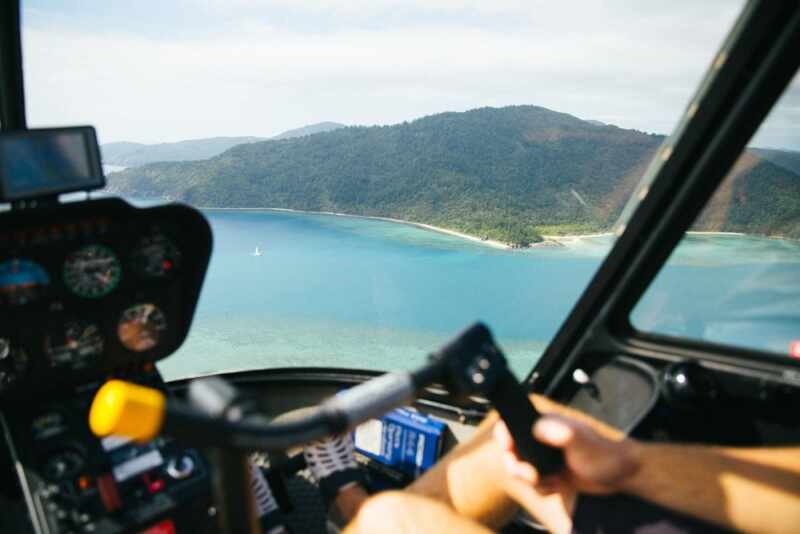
point(756, 62)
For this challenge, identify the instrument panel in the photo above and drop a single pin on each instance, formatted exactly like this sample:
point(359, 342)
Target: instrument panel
point(90, 287)
point(74, 482)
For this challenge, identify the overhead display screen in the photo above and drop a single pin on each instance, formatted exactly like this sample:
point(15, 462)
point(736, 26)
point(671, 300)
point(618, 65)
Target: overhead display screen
point(45, 162)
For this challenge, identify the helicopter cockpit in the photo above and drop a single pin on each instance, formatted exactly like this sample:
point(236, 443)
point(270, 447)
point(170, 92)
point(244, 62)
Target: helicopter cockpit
point(97, 291)
point(88, 289)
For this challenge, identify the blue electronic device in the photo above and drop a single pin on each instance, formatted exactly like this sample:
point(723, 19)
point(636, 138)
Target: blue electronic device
point(403, 439)
point(49, 161)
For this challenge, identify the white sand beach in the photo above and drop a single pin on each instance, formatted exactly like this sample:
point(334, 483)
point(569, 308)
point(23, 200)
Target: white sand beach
point(462, 235)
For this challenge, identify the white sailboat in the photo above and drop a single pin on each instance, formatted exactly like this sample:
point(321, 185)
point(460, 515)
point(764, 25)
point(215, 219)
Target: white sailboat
point(257, 252)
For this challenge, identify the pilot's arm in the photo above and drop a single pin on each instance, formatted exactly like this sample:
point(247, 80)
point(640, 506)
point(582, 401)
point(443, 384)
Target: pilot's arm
point(747, 489)
point(608, 484)
point(471, 481)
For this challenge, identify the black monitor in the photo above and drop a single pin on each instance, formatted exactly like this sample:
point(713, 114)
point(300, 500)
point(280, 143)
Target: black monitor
point(49, 161)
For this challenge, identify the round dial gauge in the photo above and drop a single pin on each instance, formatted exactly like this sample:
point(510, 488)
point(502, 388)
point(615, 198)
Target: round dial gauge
point(64, 464)
point(75, 344)
point(21, 282)
point(156, 256)
point(141, 326)
point(13, 364)
point(92, 272)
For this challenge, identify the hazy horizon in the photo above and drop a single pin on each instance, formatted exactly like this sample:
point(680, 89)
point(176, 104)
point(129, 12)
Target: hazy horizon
point(155, 72)
point(267, 138)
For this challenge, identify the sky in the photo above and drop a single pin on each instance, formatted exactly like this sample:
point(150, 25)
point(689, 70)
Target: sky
point(161, 71)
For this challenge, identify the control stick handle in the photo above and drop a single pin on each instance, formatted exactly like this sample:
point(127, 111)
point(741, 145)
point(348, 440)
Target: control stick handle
point(473, 364)
point(519, 415)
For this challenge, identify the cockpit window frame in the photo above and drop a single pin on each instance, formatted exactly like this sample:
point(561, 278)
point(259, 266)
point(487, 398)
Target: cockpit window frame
point(12, 92)
point(746, 78)
point(743, 83)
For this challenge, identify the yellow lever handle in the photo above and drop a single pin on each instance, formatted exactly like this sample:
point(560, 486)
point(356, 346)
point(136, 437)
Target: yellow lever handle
point(125, 409)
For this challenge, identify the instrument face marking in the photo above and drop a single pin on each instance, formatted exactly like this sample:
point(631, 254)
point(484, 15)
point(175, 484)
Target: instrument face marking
point(92, 271)
point(22, 281)
point(140, 327)
point(74, 344)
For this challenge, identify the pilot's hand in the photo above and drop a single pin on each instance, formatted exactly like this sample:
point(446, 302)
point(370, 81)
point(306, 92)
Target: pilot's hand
point(594, 463)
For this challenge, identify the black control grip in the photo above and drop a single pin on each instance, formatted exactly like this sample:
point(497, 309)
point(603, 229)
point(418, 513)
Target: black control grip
point(473, 364)
point(519, 415)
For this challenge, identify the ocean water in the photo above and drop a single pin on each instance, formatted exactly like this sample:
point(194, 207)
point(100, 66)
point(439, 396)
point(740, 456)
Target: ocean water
point(735, 290)
point(358, 293)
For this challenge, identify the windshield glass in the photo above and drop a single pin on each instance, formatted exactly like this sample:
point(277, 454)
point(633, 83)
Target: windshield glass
point(734, 277)
point(492, 146)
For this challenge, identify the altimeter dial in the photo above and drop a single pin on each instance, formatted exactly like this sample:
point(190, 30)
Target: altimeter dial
point(92, 271)
point(13, 364)
point(74, 344)
point(22, 281)
point(141, 326)
point(156, 256)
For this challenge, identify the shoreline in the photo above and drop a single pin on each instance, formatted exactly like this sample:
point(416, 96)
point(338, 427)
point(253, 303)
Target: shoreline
point(570, 238)
point(702, 232)
point(550, 240)
point(487, 242)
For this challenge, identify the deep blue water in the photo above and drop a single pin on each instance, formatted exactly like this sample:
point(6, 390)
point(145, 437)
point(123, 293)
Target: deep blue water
point(349, 292)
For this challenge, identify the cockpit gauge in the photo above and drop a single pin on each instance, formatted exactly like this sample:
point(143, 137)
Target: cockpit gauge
point(21, 281)
point(156, 256)
point(48, 425)
point(92, 271)
point(74, 344)
point(13, 364)
point(141, 326)
point(63, 464)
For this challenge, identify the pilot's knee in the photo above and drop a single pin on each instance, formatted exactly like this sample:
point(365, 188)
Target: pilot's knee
point(380, 512)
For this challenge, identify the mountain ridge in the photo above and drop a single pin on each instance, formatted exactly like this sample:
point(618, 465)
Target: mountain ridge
point(509, 174)
point(129, 154)
point(788, 159)
point(311, 129)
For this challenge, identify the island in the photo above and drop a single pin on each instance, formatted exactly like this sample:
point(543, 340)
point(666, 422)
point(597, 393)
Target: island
point(508, 175)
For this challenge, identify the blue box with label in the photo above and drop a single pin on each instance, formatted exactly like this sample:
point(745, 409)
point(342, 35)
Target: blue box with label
point(403, 439)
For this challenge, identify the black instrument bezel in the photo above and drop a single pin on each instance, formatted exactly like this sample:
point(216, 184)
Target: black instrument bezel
point(48, 236)
point(95, 180)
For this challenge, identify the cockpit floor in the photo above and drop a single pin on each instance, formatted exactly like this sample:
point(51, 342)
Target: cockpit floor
point(308, 514)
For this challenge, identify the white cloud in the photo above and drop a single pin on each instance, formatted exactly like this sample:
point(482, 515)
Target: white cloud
point(266, 69)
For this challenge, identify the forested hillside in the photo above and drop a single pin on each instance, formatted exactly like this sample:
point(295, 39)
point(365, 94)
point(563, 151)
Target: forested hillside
point(311, 129)
point(128, 154)
point(511, 174)
point(757, 197)
point(132, 154)
point(788, 159)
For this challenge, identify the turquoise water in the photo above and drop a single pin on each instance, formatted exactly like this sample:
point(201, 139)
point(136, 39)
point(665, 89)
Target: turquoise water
point(350, 292)
point(735, 290)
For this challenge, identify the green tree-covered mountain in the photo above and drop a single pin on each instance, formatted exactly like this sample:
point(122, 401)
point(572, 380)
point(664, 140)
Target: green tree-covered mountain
point(788, 159)
point(113, 152)
point(511, 173)
point(311, 129)
point(757, 197)
point(128, 154)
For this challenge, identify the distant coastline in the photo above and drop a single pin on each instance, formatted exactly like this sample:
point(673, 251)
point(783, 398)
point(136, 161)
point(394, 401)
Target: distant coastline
point(487, 242)
point(701, 232)
point(563, 240)
point(550, 241)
